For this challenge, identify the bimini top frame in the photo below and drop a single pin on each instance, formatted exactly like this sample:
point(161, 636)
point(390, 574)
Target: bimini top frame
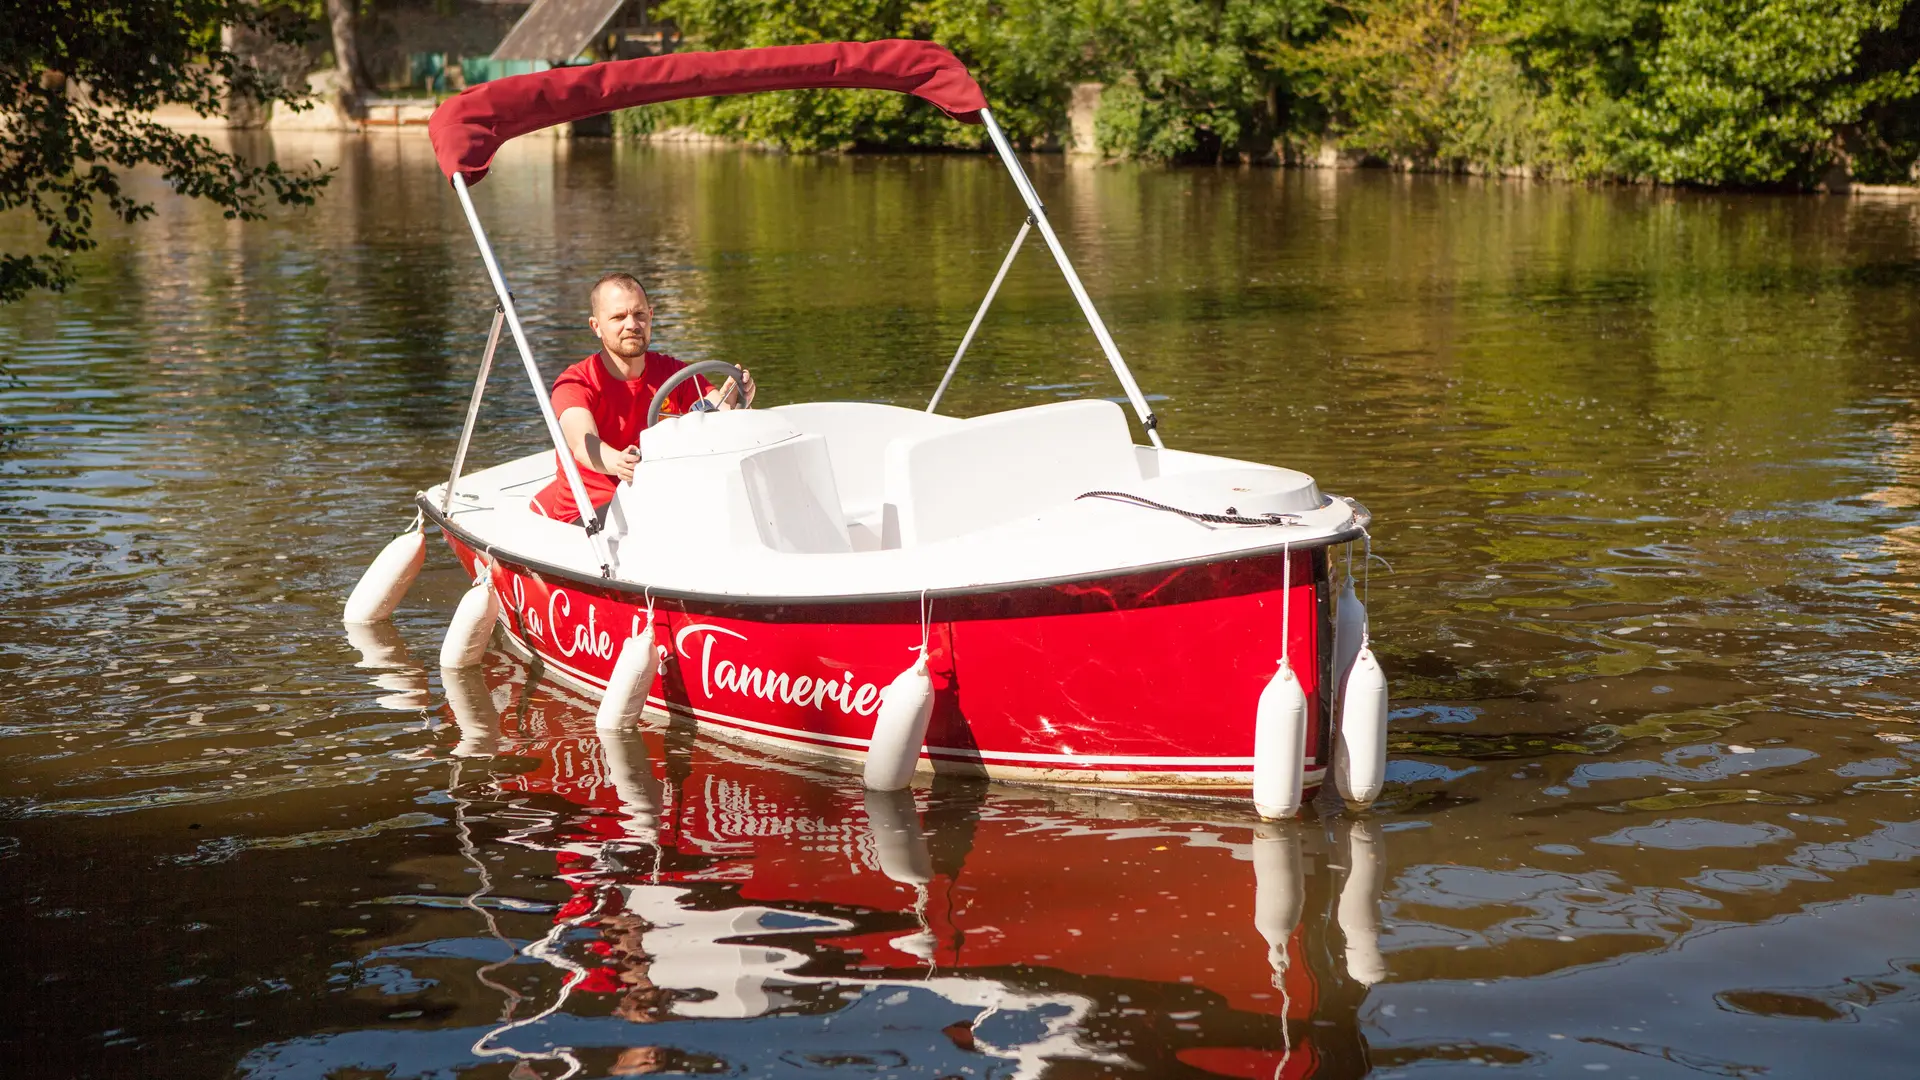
point(468, 129)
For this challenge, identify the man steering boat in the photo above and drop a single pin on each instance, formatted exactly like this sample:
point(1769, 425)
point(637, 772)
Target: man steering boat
point(602, 400)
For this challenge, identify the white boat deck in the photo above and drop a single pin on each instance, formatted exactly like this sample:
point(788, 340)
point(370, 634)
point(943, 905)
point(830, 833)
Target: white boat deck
point(857, 499)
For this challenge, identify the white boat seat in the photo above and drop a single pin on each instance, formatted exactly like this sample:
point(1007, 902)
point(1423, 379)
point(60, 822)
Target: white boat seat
point(708, 482)
point(1001, 467)
point(790, 493)
point(857, 434)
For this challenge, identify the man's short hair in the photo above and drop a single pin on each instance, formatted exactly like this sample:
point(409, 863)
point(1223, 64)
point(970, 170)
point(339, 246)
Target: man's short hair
point(618, 277)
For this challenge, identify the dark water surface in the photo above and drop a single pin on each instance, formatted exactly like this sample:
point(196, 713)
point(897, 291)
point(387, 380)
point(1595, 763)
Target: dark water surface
point(1646, 467)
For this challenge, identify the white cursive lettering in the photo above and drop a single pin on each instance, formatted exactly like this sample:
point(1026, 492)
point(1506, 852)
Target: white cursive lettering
point(587, 637)
point(770, 684)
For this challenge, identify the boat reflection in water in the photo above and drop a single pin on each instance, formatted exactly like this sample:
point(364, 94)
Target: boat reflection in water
point(384, 651)
point(726, 910)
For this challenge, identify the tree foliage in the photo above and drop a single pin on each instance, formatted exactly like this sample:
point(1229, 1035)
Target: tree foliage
point(76, 80)
point(1749, 92)
point(1026, 53)
point(1388, 75)
point(1758, 91)
point(1192, 78)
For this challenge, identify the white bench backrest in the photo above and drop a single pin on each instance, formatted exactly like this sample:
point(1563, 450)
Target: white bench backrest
point(791, 495)
point(857, 434)
point(1004, 466)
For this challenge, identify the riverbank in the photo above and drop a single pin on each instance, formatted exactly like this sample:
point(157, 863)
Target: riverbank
point(409, 116)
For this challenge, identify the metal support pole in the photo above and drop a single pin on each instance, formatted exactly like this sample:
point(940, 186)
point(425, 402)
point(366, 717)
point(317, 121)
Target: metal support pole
point(1005, 265)
point(1039, 214)
point(473, 405)
point(505, 299)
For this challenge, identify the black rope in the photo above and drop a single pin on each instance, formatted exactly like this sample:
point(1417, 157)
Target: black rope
point(1231, 517)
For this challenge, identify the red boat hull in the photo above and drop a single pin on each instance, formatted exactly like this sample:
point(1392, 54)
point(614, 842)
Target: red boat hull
point(1144, 679)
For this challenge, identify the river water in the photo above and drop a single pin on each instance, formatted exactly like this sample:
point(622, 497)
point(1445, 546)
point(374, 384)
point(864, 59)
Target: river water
point(1646, 471)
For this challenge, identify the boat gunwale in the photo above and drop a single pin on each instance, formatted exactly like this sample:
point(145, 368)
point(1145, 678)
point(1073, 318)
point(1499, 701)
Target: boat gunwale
point(545, 569)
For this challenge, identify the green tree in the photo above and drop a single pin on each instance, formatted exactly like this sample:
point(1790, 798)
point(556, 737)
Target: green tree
point(1747, 92)
point(1023, 52)
point(1712, 92)
point(1387, 75)
point(1197, 78)
point(77, 77)
point(1026, 54)
point(1759, 91)
point(1584, 62)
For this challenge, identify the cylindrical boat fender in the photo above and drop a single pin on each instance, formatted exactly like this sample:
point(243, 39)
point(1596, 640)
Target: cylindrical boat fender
point(1280, 746)
point(633, 782)
point(1349, 631)
point(472, 628)
point(902, 851)
point(1360, 767)
point(473, 710)
point(1359, 911)
point(630, 683)
point(1279, 891)
point(900, 729)
point(387, 578)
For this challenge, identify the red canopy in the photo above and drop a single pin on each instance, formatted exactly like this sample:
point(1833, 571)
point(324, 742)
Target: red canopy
point(468, 128)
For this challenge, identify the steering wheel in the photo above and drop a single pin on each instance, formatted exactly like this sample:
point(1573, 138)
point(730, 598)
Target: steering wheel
point(704, 367)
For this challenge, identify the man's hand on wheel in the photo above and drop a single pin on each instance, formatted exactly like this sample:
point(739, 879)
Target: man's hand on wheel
point(728, 396)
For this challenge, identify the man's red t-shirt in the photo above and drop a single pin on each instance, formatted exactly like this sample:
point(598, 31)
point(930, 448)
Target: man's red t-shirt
point(619, 408)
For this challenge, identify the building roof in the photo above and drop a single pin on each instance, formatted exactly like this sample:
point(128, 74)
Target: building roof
point(556, 30)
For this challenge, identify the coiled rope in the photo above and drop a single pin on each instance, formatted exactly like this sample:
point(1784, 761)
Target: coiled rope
point(1231, 517)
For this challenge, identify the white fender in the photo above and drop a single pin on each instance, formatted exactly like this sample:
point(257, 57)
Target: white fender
point(466, 642)
point(1349, 631)
point(1279, 893)
point(473, 710)
point(1360, 768)
point(630, 683)
point(1280, 747)
point(1360, 905)
point(894, 824)
point(633, 782)
point(901, 728)
point(387, 578)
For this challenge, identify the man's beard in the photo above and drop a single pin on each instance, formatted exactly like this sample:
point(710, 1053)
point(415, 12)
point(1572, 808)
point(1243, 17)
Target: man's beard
point(629, 348)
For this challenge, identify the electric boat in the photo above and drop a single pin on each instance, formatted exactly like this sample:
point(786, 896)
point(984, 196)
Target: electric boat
point(1031, 595)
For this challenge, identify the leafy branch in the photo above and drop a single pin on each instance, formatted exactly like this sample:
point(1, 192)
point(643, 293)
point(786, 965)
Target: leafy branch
point(77, 80)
